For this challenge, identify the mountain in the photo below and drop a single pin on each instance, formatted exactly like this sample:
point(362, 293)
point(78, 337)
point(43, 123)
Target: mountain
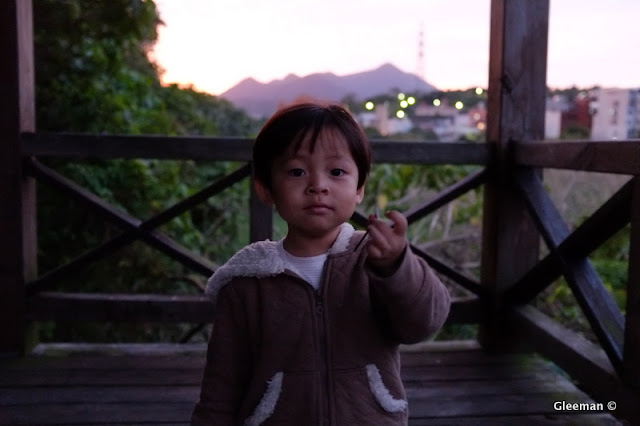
point(262, 99)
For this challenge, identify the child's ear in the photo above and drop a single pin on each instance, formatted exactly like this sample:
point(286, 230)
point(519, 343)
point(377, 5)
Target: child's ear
point(263, 192)
point(360, 194)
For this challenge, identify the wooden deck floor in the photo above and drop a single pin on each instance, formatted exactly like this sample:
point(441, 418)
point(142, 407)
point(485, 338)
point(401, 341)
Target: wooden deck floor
point(447, 385)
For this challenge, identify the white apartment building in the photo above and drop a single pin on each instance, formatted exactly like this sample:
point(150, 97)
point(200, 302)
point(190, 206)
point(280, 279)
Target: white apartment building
point(617, 114)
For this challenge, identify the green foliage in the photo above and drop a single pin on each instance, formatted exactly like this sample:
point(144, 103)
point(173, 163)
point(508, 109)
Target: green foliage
point(94, 76)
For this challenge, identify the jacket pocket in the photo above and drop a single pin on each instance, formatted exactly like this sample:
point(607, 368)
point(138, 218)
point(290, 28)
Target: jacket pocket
point(382, 394)
point(289, 399)
point(365, 396)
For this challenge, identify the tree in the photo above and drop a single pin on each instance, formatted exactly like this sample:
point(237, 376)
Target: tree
point(93, 75)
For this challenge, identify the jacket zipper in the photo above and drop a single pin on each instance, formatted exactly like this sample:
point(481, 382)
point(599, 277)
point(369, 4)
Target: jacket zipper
point(324, 371)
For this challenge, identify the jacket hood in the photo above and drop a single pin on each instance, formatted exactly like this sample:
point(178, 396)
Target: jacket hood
point(261, 259)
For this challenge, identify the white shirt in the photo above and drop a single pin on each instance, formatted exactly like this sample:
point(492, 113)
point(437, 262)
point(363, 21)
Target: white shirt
point(309, 268)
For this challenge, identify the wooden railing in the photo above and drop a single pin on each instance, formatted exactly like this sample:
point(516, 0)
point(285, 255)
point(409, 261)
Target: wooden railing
point(567, 256)
point(517, 213)
point(612, 368)
point(46, 304)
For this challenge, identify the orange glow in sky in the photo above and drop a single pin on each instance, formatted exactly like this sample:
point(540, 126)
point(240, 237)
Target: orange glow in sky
point(214, 44)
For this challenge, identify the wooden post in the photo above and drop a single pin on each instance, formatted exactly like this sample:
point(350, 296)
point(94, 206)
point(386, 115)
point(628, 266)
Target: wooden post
point(516, 108)
point(631, 356)
point(261, 218)
point(17, 194)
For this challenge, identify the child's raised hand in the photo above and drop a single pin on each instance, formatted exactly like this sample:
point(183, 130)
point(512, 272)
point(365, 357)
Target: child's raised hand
point(387, 242)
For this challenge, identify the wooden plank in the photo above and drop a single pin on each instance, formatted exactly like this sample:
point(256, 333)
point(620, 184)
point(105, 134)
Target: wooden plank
point(612, 216)
point(516, 109)
point(447, 195)
point(120, 307)
point(631, 356)
point(74, 145)
point(98, 413)
point(584, 361)
point(71, 145)
point(597, 304)
point(555, 419)
point(180, 374)
point(18, 261)
point(421, 152)
point(92, 394)
point(455, 381)
point(596, 156)
point(488, 405)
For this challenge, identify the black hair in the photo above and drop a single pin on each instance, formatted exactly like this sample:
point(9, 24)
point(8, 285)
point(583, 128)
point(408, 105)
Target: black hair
point(290, 126)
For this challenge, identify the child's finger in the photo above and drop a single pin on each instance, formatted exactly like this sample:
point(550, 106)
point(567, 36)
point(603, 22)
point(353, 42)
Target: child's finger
point(399, 222)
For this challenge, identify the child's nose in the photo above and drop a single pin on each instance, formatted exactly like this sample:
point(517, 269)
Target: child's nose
point(317, 185)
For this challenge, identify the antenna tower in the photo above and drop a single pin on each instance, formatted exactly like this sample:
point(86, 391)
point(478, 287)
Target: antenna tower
point(420, 65)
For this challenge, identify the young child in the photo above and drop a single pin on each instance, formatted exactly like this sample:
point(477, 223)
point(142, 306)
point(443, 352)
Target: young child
point(307, 328)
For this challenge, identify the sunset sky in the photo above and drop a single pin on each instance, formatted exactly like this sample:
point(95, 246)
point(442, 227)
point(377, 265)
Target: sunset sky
point(214, 44)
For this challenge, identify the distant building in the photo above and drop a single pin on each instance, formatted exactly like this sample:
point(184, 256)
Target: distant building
point(617, 114)
point(552, 124)
point(380, 120)
point(555, 106)
point(441, 120)
point(579, 114)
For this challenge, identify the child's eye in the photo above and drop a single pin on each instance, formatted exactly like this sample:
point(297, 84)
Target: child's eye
point(337, 172)
point(296, 172)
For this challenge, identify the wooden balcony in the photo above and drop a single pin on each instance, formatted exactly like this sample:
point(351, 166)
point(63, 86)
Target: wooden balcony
point(512, 373)
point(451, 383)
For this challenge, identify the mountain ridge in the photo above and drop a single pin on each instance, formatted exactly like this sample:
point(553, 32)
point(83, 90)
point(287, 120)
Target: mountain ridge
point(262, 99)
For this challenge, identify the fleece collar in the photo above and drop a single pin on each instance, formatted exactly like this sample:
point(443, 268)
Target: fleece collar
point(261, 259)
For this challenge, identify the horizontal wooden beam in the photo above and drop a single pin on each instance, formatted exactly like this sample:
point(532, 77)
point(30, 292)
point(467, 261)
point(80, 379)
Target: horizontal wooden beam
point(420, 152)
point(621, 157)
point(597, 304)
point(81, 307)
point(72, 145)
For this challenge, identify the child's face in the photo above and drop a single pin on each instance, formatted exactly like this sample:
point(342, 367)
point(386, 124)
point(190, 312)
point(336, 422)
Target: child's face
point(316, 192)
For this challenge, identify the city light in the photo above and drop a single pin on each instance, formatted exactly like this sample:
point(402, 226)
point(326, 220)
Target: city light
point(400, 114)
point(459, 105)
point(411, 100)
point(404, 103)
point(401, 96)
point(369, 105)
point(479, 91)
point(436, 102)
